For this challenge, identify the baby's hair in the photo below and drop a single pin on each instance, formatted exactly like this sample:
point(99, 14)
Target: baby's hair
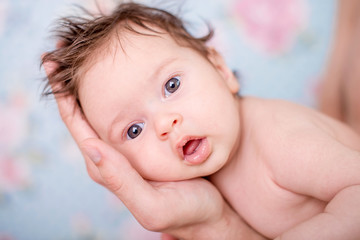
point(81, 37)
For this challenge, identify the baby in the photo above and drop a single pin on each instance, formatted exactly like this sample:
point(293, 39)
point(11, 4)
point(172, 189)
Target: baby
point(169, 104)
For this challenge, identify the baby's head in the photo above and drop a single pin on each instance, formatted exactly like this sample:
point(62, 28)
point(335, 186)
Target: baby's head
point(149, 88)
point(82, 39)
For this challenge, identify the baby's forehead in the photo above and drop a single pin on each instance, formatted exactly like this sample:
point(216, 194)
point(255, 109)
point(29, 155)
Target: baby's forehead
point(144, 42)
point(118, 42)
point(135, 47)
point(152, 34)
point(132, 36)
point(121, 40)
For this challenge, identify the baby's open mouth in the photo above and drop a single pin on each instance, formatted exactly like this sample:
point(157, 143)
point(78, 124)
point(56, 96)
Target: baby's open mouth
point(191, 146)
point(195, 151)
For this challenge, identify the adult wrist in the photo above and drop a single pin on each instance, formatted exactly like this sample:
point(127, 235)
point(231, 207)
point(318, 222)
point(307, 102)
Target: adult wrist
point(233, 227)
point(229, 226)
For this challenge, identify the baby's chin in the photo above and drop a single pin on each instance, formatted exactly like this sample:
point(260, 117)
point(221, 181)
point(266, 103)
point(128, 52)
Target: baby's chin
point(189, 176)
point(169, 179)
point(211, 166)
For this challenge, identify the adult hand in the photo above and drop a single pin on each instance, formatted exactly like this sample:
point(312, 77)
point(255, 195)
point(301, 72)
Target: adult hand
point(191, 209)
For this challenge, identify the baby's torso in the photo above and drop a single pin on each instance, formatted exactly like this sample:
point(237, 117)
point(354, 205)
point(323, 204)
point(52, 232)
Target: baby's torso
point(265, 206)
point(248, 182)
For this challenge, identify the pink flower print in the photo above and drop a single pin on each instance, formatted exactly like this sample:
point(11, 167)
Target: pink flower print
point(14, 171)
point(13, 124)
point(6, 236)
point(272, 25)
point(14, 175)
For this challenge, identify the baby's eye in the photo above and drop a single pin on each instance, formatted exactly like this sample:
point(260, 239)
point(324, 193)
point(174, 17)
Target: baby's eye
point(134, 130)
point(171, 86)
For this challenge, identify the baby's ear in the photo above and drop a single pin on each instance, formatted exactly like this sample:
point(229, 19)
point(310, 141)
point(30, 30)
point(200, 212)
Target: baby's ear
point(227, 74)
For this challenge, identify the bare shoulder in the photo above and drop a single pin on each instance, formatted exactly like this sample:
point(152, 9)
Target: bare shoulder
point(272, 116)
point(284, 119)
point(302, 149)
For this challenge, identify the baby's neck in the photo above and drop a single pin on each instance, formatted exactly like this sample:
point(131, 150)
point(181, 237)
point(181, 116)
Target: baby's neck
point(235, 154)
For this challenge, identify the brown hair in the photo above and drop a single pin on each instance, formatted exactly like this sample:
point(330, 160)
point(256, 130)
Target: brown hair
point(80, 37)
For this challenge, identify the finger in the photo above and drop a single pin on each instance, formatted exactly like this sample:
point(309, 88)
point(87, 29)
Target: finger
point(122, 179)
point(75, 121)
point(165, 236)
point(151, 203)
point(93, 171)
point(80, 130)
point(60, 44)
point(70, 112)
point(49, 66)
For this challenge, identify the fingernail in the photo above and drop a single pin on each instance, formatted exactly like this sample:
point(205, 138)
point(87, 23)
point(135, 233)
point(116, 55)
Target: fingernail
point(92, 153)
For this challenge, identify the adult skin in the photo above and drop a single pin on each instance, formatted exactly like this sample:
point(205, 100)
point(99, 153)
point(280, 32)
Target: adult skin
point(339, 92)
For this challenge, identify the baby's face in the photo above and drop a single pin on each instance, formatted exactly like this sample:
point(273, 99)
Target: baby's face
point(165, 107)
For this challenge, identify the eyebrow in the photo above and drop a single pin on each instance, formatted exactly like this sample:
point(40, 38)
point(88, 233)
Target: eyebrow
point(153, 75)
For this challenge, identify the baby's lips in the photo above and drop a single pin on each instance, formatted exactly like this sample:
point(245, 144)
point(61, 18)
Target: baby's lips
point(179, 148)
point(191, 146)
point(198, 155)
point(182, 143)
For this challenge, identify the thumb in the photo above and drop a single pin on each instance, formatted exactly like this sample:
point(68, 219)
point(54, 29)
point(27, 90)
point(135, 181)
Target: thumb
point(165, 236)
point(118, 175)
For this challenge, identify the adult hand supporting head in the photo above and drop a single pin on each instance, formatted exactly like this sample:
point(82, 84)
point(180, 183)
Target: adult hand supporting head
point(191, 209)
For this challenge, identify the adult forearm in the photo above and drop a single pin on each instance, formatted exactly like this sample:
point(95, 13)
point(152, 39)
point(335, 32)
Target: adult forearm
point(229, 227)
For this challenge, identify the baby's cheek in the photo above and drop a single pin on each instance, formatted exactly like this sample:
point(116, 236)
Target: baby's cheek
point(141, 159)
point(156, 163)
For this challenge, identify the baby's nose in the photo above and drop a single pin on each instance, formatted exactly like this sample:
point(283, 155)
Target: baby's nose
point(166, 123)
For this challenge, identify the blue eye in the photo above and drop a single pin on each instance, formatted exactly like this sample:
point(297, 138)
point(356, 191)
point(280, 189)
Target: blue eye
point(134, 130)
point(171, 86)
